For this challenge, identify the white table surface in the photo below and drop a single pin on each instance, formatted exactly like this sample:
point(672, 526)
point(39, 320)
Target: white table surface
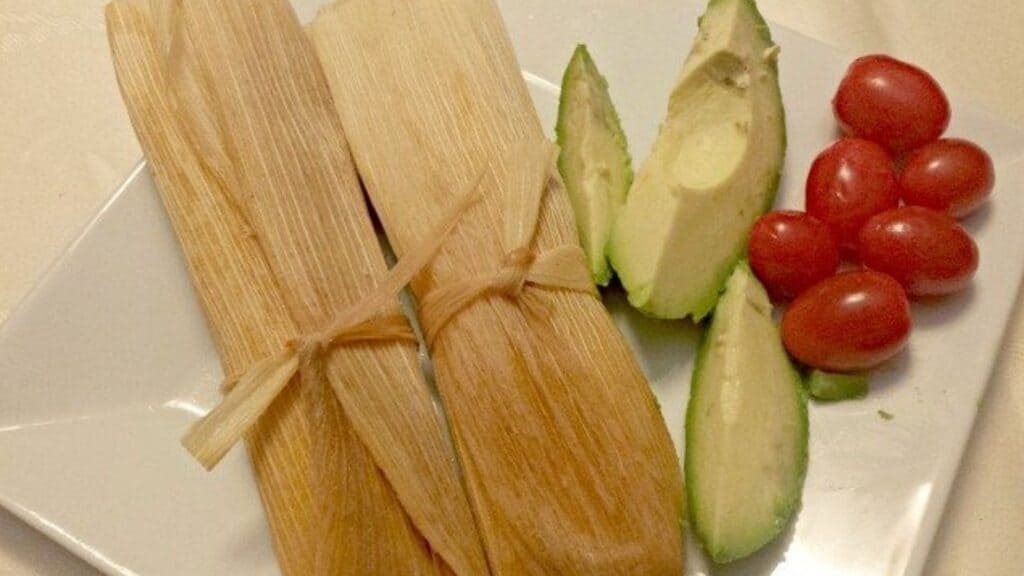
point(65, 145)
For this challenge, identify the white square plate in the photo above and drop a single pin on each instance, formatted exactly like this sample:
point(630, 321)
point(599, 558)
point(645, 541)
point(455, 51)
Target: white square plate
point(106, 362)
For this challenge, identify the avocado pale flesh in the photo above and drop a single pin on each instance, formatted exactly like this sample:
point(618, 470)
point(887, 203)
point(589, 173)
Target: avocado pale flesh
point(746, 427)
point(713, 170)
point(594, 159)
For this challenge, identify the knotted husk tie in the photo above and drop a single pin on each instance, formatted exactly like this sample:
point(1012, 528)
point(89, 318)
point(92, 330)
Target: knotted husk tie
point(559, 268)
point(249, 395)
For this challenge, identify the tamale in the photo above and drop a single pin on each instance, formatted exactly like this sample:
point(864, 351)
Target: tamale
point(276, 252)
point(298, 186)
point(569, 466)
point(243, 307)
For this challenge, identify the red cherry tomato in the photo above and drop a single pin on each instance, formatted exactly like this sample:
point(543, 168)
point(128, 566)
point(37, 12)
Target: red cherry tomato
point(849, 182)
point(924, 250)
point(890, 102)
point(851, 321)
point(950, 175)
point(791, 251)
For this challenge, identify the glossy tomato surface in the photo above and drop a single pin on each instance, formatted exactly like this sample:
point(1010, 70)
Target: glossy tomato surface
point(791, 251)
point(851, 321)
point(891, 102)
point(924, 250)
point(951, 175)
point(850, 181)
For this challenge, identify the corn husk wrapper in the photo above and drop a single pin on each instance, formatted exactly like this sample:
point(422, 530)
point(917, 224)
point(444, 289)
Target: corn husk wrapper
point(569, 466)
point(255, 174)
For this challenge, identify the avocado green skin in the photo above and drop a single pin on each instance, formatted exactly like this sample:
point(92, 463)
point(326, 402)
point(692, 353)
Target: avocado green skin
point(703, 305)
point(785, 509)
point(581, 63)
point(834, 387)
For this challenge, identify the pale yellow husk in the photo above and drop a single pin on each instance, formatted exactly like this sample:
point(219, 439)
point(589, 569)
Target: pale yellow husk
point(254, 171)
point(569, 465)
point(532, 162)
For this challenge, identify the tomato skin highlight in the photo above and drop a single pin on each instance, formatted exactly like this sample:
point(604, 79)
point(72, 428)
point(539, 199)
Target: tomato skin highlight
point(925, 251)
point(891, 102)
point(951, 175)
point(849, 182)
point(851, 321)
point(791, 251)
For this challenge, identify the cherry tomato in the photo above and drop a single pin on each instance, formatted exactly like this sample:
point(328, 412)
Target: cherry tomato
point(851, 321)
point(791, 251)
point(890, 102)
point(849, 182)
point(950, 175)
point(924, 250)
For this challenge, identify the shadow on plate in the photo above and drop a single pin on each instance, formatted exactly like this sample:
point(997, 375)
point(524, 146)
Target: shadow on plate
point(893, 372)
point(936, 311)
point(663, 345)
point(978, 219)
point(249, 550)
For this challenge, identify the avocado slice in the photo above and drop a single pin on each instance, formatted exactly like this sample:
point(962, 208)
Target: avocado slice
point(833, 386)
point(713, 170)
point(746, 426)
point(594, 159)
